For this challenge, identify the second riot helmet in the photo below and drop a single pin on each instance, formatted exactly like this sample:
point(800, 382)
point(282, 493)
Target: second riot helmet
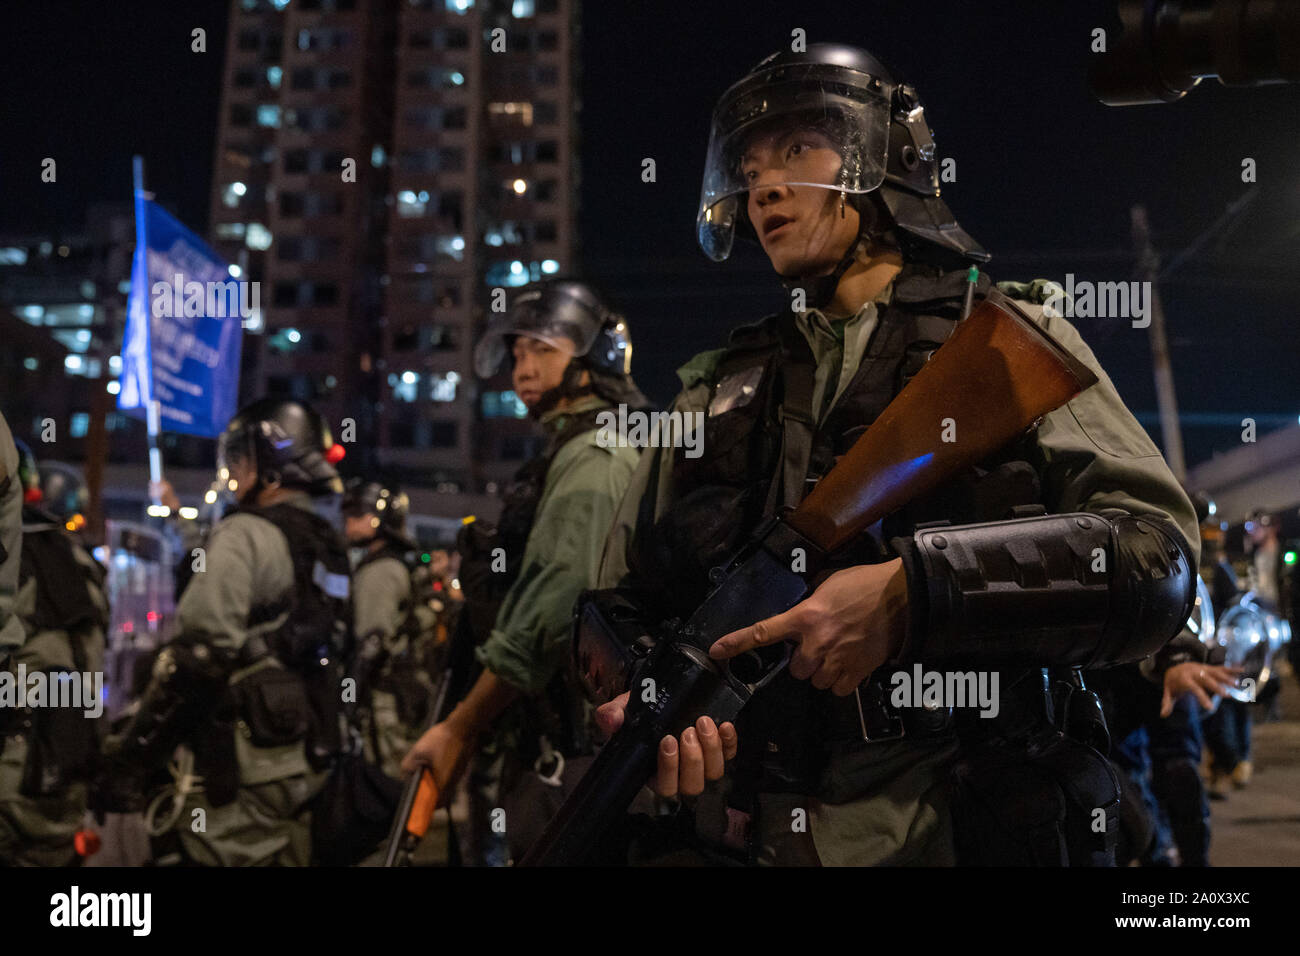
point(287, 442)
point(388, 508)
point(569, 316)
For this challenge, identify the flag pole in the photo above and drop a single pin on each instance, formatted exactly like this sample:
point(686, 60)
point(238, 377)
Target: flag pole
point(153, 417)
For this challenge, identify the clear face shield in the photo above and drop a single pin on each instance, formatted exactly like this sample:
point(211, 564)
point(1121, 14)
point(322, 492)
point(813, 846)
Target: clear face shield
point(236, 465)
point(548, 317)
point(817, 125)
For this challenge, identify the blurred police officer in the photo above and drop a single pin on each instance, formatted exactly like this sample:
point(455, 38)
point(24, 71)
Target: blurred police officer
point(251, 681)
point(397, 693)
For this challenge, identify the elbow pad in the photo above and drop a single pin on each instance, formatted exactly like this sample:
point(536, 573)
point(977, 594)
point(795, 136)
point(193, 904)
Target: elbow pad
point(1074, 589)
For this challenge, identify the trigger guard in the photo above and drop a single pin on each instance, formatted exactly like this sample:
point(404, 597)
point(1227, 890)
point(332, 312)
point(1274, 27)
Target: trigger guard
point(767, 678)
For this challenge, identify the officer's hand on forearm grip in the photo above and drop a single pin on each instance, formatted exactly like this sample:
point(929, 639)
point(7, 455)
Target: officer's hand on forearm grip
point(686, 762)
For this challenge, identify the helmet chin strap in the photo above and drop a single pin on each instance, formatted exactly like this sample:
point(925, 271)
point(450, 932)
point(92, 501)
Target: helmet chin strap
point(820, 290)
point(569, 387)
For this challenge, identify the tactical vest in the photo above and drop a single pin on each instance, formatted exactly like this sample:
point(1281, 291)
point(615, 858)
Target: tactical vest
point(320, 605)
point(315, 643)
point(752, 464)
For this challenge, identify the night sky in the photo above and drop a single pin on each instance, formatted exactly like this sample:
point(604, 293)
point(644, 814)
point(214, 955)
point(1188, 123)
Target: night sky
point(1046, 175)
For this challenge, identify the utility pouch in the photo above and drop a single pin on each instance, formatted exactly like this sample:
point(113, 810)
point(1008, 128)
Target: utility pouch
point(1051, 801)
point(273, 705)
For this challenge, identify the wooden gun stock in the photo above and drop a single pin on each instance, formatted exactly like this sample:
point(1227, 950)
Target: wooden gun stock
point(996, 376)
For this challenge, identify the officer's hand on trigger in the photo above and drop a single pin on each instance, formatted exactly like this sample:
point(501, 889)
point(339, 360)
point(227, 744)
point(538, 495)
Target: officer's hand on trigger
point(854, 621)
point(685, 763)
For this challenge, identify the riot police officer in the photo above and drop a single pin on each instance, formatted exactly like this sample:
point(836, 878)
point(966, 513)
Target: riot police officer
point(570, 362)
point(251, 682)
point(396, 691)
point(63, 607)
point(826, 159)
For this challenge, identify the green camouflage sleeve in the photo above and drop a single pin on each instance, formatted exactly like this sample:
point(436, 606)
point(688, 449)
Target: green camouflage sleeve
point(583, 487)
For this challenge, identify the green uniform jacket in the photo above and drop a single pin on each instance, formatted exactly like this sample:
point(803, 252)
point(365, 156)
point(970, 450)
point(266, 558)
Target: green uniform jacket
point(584, 485)
point(247, 564)
point(885, 803)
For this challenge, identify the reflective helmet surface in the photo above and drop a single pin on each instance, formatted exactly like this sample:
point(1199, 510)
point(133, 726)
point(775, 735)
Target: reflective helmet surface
point(839, 91)
point(287, 441)
point(1251, 634)
point(390, 508)
point(566, 315)
point(875, 122)
point(63, 491)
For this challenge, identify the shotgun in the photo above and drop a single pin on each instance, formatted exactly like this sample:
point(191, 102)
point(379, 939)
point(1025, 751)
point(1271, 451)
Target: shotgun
point(997, 374)
point(419, 795)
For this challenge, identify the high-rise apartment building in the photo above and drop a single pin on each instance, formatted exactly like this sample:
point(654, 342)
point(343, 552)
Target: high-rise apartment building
point(381, 167)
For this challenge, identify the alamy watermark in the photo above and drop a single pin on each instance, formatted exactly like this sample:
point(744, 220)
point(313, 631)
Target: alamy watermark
point(77, 909)
point(638, 429)
point(1101, 300)
point(934, 689)
point(72, 689)
point(213, 300)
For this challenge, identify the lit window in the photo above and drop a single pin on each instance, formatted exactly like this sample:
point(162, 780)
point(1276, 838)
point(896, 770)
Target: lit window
point(230, 230)
point(231, 195)
point(459, 6)
point(442, 388)
point(273, 75)
point(74, 363)
point(411, 204)
point(115, 364)
point(520, 187)
point(377, 156)
point(268, 114)
point(550, 267)
point(13, 256)
point(258, 236)
point(32, 364)
point(79, 424)
point(508, 113)
point(32, 314)
point(521, 8)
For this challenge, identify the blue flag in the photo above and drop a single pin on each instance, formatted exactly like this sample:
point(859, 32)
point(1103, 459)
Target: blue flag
point(183, 327)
